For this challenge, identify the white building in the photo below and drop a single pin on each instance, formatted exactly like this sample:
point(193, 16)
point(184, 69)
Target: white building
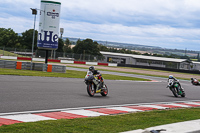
point(152, 61)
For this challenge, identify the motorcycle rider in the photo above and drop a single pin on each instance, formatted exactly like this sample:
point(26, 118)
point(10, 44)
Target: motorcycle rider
point(100, 78)
point(194, 81)
point(171, 77)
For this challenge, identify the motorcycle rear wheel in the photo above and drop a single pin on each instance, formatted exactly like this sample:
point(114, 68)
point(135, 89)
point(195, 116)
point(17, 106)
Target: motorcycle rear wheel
point(104, 91)
point(90, 91)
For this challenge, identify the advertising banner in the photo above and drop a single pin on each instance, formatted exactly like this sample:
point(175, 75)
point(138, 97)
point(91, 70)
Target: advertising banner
point(48, 33)
point(116, 60)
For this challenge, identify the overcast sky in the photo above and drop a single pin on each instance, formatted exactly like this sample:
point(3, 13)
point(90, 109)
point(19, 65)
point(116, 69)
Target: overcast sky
point(164, 23)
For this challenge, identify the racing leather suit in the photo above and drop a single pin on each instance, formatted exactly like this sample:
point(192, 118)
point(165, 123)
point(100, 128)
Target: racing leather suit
point(99, 80)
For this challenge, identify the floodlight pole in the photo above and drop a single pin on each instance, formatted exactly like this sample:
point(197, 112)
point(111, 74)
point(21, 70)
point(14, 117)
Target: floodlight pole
point(61, 31)
point(34, 12)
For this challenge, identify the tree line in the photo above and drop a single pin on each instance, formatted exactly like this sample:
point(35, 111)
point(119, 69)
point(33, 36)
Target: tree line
point(8, 38)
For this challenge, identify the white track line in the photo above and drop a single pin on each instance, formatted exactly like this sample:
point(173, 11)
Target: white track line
point(180, 105)
point(125, 109)
point(85, 112)
point(27, 117)
point(154, 106)
point(108, 106)
point(192, 103)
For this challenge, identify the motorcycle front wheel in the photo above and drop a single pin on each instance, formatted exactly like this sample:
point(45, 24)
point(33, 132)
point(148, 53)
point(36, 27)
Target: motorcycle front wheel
point(183, 94)
point(90, 90)
point(104, 91)
point(175, 92)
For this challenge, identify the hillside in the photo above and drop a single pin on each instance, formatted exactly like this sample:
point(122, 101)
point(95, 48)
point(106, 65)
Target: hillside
point(143, 48)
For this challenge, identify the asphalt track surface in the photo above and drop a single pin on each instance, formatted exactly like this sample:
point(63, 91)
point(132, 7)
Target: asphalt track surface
point(26, 93)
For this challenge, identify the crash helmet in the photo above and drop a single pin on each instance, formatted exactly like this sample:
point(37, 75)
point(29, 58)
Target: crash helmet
point(91, 68)
point(171, 76)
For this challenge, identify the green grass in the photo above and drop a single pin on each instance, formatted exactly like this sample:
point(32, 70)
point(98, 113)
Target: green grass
point(6, 53)
point(106, 124)
point(154, 75)
point(68, 74)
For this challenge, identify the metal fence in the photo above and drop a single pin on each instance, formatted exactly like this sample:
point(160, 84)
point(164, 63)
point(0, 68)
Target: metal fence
point(52, 54)
point(35, 66)
point(7, 64)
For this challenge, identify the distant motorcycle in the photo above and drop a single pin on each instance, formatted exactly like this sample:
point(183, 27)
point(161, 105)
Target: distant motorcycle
point(92, 88)
point(194, 81)
point(175, 87)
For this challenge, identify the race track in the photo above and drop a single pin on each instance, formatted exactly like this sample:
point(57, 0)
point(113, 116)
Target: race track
point(24, 93)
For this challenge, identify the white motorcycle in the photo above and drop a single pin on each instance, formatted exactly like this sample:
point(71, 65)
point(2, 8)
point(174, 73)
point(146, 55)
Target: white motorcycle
point(91, 86)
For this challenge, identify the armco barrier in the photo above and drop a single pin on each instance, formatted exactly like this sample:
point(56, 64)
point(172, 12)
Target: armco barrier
point(27, 66)
point(39, 67)
point(60, 61)
point(91, 63)
point(7, 64)
point(103, 64)
point(23, 58)
point(52, 60)
point(79, 62)
point(35, 66)
point(57, 68)
point(9, 57)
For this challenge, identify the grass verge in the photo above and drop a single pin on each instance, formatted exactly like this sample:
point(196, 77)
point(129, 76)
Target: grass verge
point(154, 75)
point(106, 124)
point(6, 53)
point(68, 74)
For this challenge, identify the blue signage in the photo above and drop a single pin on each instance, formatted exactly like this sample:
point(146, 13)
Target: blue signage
point(49, 41)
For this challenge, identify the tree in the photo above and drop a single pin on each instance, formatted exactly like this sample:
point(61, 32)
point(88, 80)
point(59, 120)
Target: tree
point(66, 47)
point(87, 47)
point(103, 48)
point(147, 54)
point(8, 38)
point(27, 39)
point(60, 45)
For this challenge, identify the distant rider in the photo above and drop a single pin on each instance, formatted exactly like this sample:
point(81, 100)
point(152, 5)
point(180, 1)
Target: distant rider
point(194, 81)
point(99, 79)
